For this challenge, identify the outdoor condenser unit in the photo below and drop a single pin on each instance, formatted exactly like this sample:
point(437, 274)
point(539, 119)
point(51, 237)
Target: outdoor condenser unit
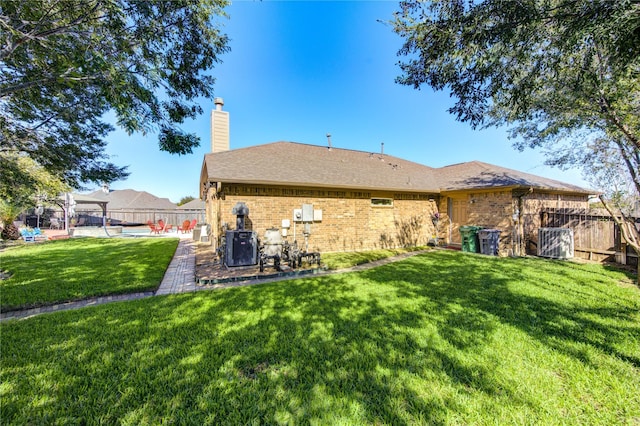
point(556, 243)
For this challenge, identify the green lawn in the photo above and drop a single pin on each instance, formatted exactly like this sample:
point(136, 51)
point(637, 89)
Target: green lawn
point(345, 260)
point(59, 271)
point(440, 338)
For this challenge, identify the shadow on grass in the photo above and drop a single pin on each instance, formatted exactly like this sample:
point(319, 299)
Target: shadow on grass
point(408, 343)
point(563, 305)
point(76, 269)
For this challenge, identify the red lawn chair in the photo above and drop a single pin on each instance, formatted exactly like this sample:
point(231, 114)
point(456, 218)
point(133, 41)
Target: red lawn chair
point(164, 227)
point(156, 229)
point(185, 226)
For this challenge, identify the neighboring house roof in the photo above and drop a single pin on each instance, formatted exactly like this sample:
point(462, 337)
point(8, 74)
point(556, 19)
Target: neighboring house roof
point(296, 164)
point(477, 175)
point(132, 199)
point(196, 204)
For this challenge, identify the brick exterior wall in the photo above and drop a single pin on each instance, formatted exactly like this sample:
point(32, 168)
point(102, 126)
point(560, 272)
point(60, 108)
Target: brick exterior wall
point(491, 209)
point(495, 209)
point(488, 209)
point(350, 221)
point(533, 205)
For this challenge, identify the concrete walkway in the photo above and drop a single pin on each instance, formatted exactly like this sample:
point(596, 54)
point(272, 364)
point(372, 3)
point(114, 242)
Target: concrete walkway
point(181, 273)
point(180, 277)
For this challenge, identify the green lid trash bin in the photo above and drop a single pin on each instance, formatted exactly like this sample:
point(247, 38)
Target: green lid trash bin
point(489, 241)
point(469, 234)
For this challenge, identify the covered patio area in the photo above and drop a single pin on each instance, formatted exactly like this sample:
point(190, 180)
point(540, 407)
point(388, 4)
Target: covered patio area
point(69, 201)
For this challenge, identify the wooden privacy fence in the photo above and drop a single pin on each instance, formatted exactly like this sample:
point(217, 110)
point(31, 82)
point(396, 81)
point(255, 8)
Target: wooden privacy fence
point(596, 236)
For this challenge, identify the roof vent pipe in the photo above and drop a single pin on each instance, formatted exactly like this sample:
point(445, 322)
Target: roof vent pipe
point(329, 140)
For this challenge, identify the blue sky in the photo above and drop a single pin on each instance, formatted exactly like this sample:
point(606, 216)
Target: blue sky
point(299, 70)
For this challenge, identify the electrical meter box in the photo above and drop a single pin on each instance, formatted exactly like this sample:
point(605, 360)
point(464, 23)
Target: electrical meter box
point(307, 212)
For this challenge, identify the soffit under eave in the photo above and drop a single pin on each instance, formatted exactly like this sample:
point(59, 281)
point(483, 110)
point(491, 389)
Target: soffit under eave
point(529, 189)
point(204, 179)
point(324, 186)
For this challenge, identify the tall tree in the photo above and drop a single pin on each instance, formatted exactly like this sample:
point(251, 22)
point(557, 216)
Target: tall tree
point(32, 185)
point(564, 75)
point(65, 64)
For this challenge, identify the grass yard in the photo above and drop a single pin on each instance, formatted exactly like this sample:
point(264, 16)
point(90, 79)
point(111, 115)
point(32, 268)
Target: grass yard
point(440, 338)
point(74, 269)
point(335, 261)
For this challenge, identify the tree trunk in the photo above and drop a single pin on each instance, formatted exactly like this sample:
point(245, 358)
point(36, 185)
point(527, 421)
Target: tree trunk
point(10, 232)
point(628, 231)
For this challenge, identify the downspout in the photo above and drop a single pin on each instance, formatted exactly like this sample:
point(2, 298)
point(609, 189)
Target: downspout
point(449, 209)
point(516, 240)
point(518, 226)
point(215, 216)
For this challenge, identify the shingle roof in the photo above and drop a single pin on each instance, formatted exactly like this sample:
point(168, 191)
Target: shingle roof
point(289, 163)
point(196, 204)
point(476, 175)
point(296, 164)
point(132, 199)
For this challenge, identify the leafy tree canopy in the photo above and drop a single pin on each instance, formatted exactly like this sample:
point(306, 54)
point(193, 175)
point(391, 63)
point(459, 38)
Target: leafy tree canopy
point(563, 74)
point(184, 200)
point(32, 182)
point(64, 64)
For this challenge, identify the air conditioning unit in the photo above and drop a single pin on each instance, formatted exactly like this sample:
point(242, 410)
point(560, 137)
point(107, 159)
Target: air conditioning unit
point(556, 243)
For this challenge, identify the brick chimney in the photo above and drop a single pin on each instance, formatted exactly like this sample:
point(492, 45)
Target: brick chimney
point(219, 127)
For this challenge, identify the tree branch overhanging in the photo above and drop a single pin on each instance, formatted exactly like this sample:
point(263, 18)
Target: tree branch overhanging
point(65, 63)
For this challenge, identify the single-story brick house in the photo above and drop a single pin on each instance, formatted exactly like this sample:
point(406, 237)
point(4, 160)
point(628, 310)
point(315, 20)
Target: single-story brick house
point(365, 200)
